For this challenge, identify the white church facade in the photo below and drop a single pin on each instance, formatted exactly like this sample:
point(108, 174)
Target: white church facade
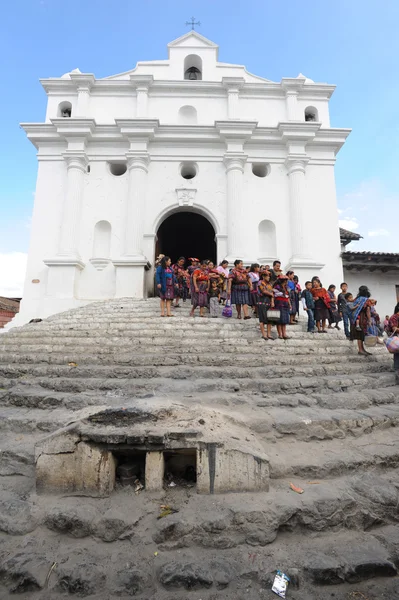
point(184, 156)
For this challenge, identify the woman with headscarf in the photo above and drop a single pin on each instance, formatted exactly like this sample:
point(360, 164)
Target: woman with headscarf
point(321, 304)
point(334, 316)
point(239, 287)
point(182, 280)
point(165, 280)
point(200, 284)
point(360, 318)
point(282, 303)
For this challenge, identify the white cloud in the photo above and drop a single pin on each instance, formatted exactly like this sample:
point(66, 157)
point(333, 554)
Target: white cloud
point(379, 232)
point(12, 273)
point(350, 223)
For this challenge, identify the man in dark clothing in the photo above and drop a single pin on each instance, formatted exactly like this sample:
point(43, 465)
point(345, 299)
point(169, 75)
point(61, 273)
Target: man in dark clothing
point(343, 308)
point(276, 271)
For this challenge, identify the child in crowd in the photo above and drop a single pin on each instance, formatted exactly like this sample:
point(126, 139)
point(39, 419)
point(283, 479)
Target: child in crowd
point(350, 301)
point(308, 305)
point(214, 297)
point(343, 308)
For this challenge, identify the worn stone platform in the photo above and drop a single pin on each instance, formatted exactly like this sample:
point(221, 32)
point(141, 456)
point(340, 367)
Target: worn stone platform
point(127, 383)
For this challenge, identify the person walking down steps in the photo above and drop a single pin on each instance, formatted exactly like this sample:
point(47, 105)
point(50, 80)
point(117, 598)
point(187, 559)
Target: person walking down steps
point(214, 297)
point(166, 281)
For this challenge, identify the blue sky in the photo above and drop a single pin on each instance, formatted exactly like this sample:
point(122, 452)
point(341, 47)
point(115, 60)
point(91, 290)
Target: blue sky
point(351, 43)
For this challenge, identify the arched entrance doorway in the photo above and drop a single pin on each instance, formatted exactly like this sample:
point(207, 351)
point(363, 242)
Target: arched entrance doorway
point(186, 234)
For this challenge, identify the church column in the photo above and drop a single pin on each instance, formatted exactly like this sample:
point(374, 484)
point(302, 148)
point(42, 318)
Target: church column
point(291, 98)
point(292, 86)
point(137, 164)
point(233, 86)
point(299, 235)
point(84, 82)
point(235, 163)
point(65, 267)
point(71, 210)
point(142, 83)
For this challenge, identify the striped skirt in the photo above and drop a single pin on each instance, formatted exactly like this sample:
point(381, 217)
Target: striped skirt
point(200, 298)
point(240, 294)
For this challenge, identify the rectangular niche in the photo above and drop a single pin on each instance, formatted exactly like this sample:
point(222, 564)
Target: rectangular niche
point(130, 468)
point(180, 468)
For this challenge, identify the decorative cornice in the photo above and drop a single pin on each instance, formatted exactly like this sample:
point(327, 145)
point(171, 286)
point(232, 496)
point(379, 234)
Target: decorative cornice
point(233, 83)
point(76, 159)
point(141, 82)
point(236, 129)
point(65, 261)
point(298, 131)
point(138, 160)
point(74, 127)
point(83, 80)
point(137, 127)
point(291, 84)
point(235, 161)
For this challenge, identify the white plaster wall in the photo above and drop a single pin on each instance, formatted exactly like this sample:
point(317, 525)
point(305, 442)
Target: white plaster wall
point(381, 286)
point(323, 227)
point(45, 228)
point(267, 198)
point(209, 110)
point(105, 109)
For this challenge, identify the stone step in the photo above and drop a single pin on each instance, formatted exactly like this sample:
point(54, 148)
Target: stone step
point(219, 552)
point(127, 331)
point(86, 355)
point(18, 420)
point(321, 460)
point(137, 388)
point(28, 395)
point(307, 423)
point(198, 372)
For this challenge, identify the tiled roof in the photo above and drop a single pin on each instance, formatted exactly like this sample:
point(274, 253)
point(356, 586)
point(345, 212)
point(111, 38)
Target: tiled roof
point(383, 261)
point(9, 304)
point(345, 234)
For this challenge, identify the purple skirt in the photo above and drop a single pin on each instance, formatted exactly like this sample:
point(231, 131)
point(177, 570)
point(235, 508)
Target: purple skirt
point(169, 293)
point(240, 294)
point(200, 298)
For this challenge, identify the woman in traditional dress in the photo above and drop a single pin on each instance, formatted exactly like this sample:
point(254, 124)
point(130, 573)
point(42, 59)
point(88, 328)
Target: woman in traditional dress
point(291, 290)
point(238, 288)
point(298, 293)
point(200, 286)
point(165, 280)
point(182, 279)
point(334, 316)
point(283, 304)
point(254, 277)
point(223, 271)
point(360, 318)
point(321, 305)
point(190, 270)
point(393, 330)
point(265, 297)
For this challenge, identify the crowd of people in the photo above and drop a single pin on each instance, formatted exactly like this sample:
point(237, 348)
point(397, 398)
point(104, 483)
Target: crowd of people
point(273, 297)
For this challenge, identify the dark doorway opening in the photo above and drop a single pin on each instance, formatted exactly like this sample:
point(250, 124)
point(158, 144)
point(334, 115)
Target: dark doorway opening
point(186, 234)
point(181, 468)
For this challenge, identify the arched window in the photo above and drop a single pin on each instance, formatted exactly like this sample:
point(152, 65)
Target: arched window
point(311, 114)
point(187, 115)
point(267, 241)
point(101, 245)
point(64, 110)
point(193, 67)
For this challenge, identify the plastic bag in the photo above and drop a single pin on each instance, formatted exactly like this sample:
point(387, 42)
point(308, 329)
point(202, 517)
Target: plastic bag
point(227, 311)
point(392, 344)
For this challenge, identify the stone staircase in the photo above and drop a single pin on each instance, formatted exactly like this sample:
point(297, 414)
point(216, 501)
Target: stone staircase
point(325, 417)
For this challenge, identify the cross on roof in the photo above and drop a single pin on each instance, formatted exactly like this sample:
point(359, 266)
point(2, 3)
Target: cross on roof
point(193, 23)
